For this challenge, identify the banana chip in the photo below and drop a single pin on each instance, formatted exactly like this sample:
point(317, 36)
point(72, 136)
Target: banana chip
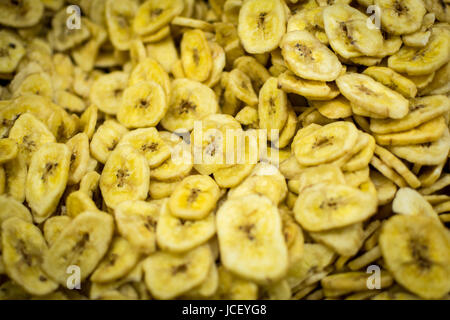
point(23, 249)
point(168, 275)
point(261, 25)
point(251, 240)
point(420, 261)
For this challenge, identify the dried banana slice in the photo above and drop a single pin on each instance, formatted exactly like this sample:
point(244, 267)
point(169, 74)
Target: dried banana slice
point(393, 80)
point(196, 55)
point(82, 243)
point(219, 61)
point(63, 38)
point(421, 110)
point(107, 91)
point(427, 132)
point(143, 105)
point(257, 73)
point(149, 142)
point(248, 116)
point(153, 15)
point(30, 134)
point(345, 241)
point(327, 206)
point(398, 166)
point(232, 287)
point(401, 17)
point(316, 257)
point(308, 58)
point(20, 14)
point(353, 281)
point(289, 130)
point(12, 49)
point(118, 261)
point(208, 287)
point(336, 108)
point(119, 16)
point(16, 177)
point(386, 189)
point(168, 275)
point(272, 108)
point(326, 144)
point(136, 222)
point(180, 162)
point(429, 153)
point(388, 172)
point(440, 82)
point(36, 83)
point(261, 25)
point(251, 239)
point(178, 235)
point(241, 85)
point(431, 174)
point(47, 178)
point(438, 185)
point(426, 60)
point(125, 176)
point(420, 260)
point(161, 189)
point(348, 32)
point(86, 54)
point(10, 208)
point(23, 248)
point(80, 156)
point(265, 180)
point(363, 91)
point(8, 150)
point(68, 101)
point(361, 158)
point(194, 197)
point(189, 101)
point(408, 201)
point(310, 20)
point(54, 226)
point(310, 89)
point(105, 139)
point(439, 8)
point(325, 173)
point(77, 202)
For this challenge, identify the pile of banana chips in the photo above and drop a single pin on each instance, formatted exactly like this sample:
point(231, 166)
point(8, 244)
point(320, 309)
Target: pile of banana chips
point(224, 149)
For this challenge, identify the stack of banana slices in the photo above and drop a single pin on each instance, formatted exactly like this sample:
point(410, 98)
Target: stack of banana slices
point(119, 178)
